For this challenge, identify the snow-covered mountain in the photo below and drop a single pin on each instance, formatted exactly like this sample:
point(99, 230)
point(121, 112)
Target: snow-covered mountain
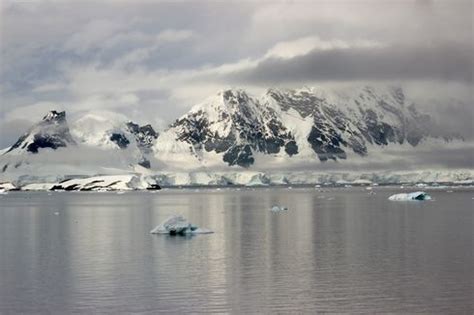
point(230, 126)
point(94, 143)
point(281, 129)
point(234, 128)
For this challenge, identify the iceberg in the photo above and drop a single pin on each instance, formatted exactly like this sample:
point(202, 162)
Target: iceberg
point(178, 225)
point(278, 209)
point(418, 195)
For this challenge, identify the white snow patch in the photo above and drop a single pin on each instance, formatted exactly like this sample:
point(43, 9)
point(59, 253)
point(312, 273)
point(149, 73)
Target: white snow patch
point(7, 186)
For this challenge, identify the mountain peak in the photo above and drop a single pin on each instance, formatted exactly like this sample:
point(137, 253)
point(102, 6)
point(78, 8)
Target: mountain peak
point(234, 96)
point(55, 116)
point(52, 132)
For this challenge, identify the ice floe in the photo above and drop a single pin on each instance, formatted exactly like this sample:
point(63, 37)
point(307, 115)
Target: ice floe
point(418, 195)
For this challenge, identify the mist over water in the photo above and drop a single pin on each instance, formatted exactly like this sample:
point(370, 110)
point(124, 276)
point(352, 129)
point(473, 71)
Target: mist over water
point(341, 250)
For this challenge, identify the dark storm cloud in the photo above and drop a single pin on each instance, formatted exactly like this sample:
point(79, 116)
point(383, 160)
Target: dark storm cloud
point(447, 62)
point(455, 118)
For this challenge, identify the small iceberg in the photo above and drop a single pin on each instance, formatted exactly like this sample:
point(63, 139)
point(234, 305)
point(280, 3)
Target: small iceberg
point(178, 225)
point(278, 209)
point(419, 195)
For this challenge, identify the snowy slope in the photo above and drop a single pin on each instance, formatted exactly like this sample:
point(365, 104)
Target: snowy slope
point(97, 183)
point(95, 143)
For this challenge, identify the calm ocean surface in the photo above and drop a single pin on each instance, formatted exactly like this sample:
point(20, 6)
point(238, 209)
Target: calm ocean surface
point(342, 250)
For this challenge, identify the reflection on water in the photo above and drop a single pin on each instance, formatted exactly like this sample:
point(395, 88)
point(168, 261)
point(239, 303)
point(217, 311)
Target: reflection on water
point(337, 251)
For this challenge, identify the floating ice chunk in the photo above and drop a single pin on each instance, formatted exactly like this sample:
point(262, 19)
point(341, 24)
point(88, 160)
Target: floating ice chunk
point(178, 225)
point(418, 195)
point(278, 209)
point(172, 225)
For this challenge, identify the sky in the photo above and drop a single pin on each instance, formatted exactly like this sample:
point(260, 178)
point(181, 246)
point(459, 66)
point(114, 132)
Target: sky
point(153, 60)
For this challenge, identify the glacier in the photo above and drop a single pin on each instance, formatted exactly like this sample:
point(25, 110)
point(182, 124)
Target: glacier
point(153, 181)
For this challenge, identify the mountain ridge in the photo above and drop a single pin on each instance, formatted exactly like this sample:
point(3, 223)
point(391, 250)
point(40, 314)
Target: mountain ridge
point(271, 124)
point(236, 129)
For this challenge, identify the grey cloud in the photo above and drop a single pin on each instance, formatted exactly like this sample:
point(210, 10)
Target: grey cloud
point(455, 118)
point(441, 157)
point(443, 62)
point(399, 160)
point(11, 130)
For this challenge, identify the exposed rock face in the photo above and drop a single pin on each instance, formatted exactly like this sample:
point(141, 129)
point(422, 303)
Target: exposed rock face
point(237, 126)
point(120, 140)
point(354, 121)
point(144, 135)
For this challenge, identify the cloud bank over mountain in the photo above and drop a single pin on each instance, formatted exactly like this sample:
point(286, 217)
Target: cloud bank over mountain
point(154, 60)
